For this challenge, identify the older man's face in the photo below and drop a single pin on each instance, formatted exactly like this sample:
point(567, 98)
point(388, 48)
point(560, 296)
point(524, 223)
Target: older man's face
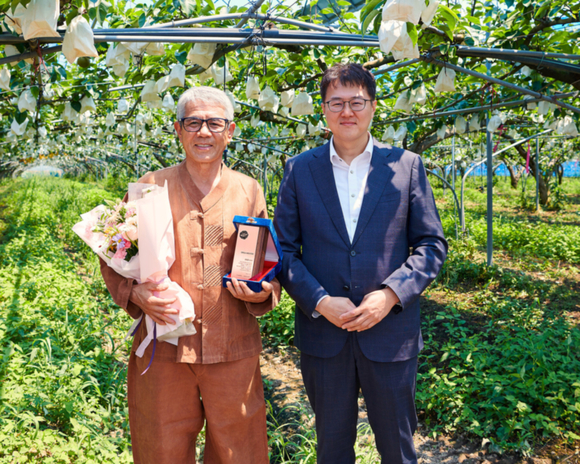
point(204, 146)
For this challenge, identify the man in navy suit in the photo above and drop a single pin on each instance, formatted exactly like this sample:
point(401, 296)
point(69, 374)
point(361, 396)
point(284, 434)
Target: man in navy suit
point(362, 239)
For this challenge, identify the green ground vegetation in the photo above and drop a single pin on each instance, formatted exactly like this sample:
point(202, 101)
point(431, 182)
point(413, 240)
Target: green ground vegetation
point(62, 365)
point(502, 342)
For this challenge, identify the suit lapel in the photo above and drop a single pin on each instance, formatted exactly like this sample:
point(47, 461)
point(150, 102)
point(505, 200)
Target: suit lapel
point(379, 176)
point(321, 169)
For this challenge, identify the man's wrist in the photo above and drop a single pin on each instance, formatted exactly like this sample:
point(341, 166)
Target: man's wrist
point(396, 307)
point(316, 313)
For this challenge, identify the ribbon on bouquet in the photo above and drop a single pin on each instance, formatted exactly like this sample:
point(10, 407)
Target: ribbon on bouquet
point(145, 342)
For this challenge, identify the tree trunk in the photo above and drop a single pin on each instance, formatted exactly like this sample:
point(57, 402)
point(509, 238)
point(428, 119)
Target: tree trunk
point(514, 177)
point(544, 188)
point(544, 192)
point(560, 173)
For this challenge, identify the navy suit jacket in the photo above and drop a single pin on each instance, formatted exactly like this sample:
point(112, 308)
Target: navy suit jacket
point(398, 243)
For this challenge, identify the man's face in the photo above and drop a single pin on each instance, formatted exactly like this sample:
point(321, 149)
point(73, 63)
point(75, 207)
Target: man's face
point(204, 146)
point(348, 125)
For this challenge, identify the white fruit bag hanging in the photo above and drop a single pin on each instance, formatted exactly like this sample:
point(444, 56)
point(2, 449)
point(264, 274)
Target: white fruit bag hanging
point(87, 104)
point(149, 92)
point(418, 95)
point(445, 81)
point(40, 18)
point(18, 129)
point(202, 54)
point(400, 133)
point(27, 102)
point(493, 123)
point(429, 13)
point(403, 102)
point(287, 98)
point(221, 74)
point(394, 38)
point(403, 10)
point(268, 100)
point(460, 125)
point(177, 76)
point(5, 79)
point(388, 134)
point(252, 88)
point(155, 49)
point(302, 105)
point(78, 40)
point(474, 124)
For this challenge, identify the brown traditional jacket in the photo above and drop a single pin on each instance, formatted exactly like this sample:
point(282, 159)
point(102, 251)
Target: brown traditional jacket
point(205, 237)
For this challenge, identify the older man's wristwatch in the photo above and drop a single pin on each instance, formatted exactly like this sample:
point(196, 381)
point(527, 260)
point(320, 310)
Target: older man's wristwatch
point(397, 308)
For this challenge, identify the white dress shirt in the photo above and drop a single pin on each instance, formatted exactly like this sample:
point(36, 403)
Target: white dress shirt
point(351, 182)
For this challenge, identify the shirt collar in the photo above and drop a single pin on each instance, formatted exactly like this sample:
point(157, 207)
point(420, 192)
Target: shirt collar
point(337, 161)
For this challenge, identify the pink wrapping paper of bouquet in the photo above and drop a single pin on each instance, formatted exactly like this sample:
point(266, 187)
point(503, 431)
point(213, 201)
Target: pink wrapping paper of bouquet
point(156, 253)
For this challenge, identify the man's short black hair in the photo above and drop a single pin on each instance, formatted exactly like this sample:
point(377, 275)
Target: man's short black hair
point(349, 75)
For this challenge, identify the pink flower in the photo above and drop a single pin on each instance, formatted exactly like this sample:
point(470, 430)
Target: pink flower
point(120, 254)
point(130, 212)
point(132, 233)
point(127, 245)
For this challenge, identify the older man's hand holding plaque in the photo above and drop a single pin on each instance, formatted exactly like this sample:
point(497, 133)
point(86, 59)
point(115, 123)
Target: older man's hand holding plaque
point(257, 257)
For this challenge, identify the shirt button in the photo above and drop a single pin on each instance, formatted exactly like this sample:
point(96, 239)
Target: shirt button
point(354, 220)
point(346, 287)
point(353, 253)
point(352, 195)
point(200, 215)
point(196, 251)
point(200, 287)
point(352, 172)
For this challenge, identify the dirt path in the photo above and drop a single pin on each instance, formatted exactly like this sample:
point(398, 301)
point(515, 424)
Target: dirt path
point(285, 390)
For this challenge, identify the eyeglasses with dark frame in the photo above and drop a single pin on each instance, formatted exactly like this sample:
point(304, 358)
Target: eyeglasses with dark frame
point(215, 125)
point(356, 104)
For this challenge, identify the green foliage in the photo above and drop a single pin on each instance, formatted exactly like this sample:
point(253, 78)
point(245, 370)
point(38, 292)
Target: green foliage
point(294, 441)
point(63, 389)
point(557, 196)
point(501, 357)
point(277, 327)
point(539, 239)
point(515, 382)
point(519, 234)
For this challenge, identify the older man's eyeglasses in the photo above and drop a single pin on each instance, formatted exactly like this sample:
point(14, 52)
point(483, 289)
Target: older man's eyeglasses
point(355, 104)
point(215, 125)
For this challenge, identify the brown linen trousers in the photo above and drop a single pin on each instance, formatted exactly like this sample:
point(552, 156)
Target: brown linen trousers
point(213, 375)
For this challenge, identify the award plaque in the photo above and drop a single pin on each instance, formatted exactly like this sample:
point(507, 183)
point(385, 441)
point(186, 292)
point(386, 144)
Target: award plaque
point(258, 255)
point(250, 251)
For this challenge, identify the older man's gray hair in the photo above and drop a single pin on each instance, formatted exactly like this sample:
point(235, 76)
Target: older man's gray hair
point(208, 95)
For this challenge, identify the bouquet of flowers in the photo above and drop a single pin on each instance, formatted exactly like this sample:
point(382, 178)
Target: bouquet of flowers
point(136, 239)
point(115, 228)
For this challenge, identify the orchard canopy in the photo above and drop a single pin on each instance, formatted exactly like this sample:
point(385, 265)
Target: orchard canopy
point(90, 86)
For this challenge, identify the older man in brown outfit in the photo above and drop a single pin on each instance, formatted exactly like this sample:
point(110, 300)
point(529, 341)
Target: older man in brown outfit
point(214, 375)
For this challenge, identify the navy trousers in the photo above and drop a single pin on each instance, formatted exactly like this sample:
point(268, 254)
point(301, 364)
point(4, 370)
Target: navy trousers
point(333, 385)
